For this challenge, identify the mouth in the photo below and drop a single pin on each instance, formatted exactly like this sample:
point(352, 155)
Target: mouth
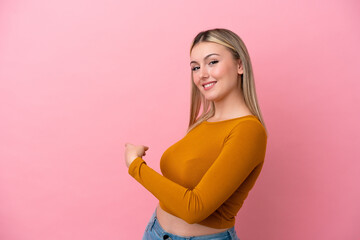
point(209, 85)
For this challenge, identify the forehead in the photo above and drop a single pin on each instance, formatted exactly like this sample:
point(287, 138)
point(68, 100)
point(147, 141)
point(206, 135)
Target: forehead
point(204, 48)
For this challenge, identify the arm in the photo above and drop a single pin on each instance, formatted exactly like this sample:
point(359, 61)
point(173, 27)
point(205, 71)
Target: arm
point(243, 150)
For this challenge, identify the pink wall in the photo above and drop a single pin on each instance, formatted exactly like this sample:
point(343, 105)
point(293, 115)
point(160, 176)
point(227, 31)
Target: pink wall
point(78, 79)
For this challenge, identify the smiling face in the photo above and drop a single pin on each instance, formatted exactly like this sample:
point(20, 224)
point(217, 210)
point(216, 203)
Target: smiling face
point(213, 63)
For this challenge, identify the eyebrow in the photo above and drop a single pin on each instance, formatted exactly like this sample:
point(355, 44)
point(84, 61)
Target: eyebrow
point(205, 57)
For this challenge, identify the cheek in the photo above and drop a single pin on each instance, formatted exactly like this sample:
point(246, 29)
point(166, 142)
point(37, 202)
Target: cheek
point(225, 70)
point(219, 71)
point(196, 79)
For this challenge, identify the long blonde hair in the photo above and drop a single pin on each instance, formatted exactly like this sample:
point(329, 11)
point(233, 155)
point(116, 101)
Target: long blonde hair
point(238, 49)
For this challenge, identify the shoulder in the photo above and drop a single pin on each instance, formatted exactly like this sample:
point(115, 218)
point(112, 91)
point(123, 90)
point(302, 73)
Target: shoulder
point(249, 128)
point(248, 138)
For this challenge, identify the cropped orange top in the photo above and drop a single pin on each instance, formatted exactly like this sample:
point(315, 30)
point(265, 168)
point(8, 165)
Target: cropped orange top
point(208, 173)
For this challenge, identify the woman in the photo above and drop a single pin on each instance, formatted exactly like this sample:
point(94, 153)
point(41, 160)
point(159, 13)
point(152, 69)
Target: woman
point(208, 174)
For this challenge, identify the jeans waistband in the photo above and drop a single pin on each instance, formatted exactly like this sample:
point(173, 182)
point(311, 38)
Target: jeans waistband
point(155, 226)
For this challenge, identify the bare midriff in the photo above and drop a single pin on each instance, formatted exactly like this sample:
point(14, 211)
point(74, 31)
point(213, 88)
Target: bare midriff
point(177, 226)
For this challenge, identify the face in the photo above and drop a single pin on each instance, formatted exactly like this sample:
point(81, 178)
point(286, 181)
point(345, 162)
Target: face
point(213, 63)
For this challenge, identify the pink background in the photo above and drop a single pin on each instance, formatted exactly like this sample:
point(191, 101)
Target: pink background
point(80, 78)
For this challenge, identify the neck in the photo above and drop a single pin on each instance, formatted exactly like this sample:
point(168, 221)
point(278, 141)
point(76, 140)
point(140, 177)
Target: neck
point(231, 106)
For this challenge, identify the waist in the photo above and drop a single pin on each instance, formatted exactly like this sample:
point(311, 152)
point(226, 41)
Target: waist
point(178, 226)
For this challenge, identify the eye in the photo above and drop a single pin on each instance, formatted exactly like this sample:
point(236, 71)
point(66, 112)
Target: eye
point(215, 61)
point(193, 69)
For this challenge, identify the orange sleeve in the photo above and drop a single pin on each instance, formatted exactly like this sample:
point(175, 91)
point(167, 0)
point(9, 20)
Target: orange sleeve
point(243, 150)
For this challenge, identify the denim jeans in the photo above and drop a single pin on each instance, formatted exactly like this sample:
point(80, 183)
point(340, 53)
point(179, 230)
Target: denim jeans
point(154, 231)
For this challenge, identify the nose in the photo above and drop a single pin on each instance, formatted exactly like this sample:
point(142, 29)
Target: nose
point(204, 72)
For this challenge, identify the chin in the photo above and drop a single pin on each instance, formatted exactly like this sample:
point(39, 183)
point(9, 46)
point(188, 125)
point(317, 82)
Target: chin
point(211, 98)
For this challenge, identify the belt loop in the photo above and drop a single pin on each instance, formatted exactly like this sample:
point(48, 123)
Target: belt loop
point(232, 233)
point(153, 220)
point(152, 224)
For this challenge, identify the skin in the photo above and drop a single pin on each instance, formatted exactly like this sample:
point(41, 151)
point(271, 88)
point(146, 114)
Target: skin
point(229, 103)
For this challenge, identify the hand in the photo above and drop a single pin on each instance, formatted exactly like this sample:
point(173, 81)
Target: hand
point(132, 152)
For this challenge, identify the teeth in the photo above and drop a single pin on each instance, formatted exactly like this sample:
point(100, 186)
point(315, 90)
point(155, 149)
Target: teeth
point(209, 84)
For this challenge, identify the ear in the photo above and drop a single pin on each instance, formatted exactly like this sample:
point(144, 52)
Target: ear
point(240, 67)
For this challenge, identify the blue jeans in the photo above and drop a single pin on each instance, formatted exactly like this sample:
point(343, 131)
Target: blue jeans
point(154, 231)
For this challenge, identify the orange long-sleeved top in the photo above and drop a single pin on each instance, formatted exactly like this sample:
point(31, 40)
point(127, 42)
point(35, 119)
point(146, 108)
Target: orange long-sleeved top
point(209, 172)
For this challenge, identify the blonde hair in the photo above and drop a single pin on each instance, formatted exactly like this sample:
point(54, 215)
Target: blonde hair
point(238, 49)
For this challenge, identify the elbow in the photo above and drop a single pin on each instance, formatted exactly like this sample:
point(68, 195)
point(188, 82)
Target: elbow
point(195, 210)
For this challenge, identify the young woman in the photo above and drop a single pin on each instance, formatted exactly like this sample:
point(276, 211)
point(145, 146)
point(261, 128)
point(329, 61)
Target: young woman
point(209, 172)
